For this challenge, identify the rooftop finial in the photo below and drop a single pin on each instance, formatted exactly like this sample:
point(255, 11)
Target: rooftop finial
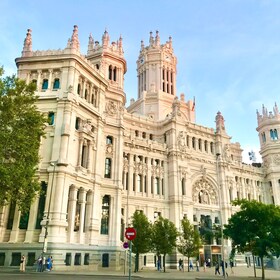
point(220, 123)
point(151, 39)
point(105, 39)
point(157, 41)
point(90, 44)
point(27, 46)
point(75, 44)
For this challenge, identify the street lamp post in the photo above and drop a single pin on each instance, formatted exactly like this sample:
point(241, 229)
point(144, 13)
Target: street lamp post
point(45, 245)
point(222, 224)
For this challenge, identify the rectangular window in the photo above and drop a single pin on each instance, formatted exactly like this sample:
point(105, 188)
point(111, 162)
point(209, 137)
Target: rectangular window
point(108, 168)
point(68, 259)
point(30, 259)
point(77, 260)
point(41, 205)
point(86, 259)
point(24, 218)
point(11, 215)
point(157, 185)
point(16, 259)
point(2, 259)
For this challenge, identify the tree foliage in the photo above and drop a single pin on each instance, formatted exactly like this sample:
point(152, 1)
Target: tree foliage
point(255, 228)
point(164, 237)
point(189, 240)
point(21, 127)
point(142, 242)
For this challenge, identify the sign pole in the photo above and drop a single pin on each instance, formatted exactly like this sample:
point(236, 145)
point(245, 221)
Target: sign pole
point(130, 250)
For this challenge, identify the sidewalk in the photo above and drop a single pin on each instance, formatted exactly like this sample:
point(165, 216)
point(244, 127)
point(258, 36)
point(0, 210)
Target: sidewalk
point(240, 273)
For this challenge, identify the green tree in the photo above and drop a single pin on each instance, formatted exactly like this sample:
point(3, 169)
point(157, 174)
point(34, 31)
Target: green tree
point(142, 242)
point(189, 241)
point(255, 228)
point(164, 237)
point(21, 127)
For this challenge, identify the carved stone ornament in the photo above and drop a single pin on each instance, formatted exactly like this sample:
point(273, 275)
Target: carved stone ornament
point(181, 140)
point(204, 193)
point(109, 149)
point(111, 108)
point(227, 152)
point(276, 159)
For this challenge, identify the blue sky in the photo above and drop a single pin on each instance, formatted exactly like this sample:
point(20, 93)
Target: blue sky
point(228, 51)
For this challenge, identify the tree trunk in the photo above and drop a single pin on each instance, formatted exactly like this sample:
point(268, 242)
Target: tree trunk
point(164, 262)
point(188, 264)
point(254, 266)
point(263, 276)
point(136, 267)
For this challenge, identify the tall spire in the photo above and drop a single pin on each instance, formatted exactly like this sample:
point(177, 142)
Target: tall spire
point(75, 44)
point(120, 44)
point(105, 39)
point(90, 44)
point(27, 46)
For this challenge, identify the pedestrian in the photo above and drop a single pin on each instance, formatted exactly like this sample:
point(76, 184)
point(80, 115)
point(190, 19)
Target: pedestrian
point(191, 265)
point(204, 266)
point(22, 263)
point(209, 263)
point(231, 266)
point(39, 264)
point(217, 268)
point(51, 263)
point(180, 264)
point(197, 265)
point(158, 264)
point(224, 266)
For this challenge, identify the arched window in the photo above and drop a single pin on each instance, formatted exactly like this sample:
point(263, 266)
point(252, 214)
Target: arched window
point(115, 74)
point(56, 84)
point(79, 89)
point(108, 165)
point(51, 118)
point(110, 73)
point(263, 137)
point(45, 84)
point(105, 215)
point(273, 134)
point(183, 187)
point(109, 140)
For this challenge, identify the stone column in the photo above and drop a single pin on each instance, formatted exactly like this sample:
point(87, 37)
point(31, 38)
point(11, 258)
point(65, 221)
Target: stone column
point(72, 213)
point(15, 228)
point(50, 79)
point(82, 201)
point(81, 142)
point(32, 221)
point(39, 88)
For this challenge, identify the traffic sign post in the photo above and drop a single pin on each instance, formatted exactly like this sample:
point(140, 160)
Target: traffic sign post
point(130, 234)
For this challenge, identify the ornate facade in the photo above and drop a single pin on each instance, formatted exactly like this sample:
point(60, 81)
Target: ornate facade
point(102, 161)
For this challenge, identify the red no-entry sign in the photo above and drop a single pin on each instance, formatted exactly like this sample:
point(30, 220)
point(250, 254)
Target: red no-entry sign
point(130, 233)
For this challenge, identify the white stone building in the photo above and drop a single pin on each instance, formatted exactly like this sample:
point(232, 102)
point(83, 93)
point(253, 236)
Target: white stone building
point(102, 161)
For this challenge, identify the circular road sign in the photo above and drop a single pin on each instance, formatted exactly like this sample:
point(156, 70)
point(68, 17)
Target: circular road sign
point(130, 233)
point(125, 245)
